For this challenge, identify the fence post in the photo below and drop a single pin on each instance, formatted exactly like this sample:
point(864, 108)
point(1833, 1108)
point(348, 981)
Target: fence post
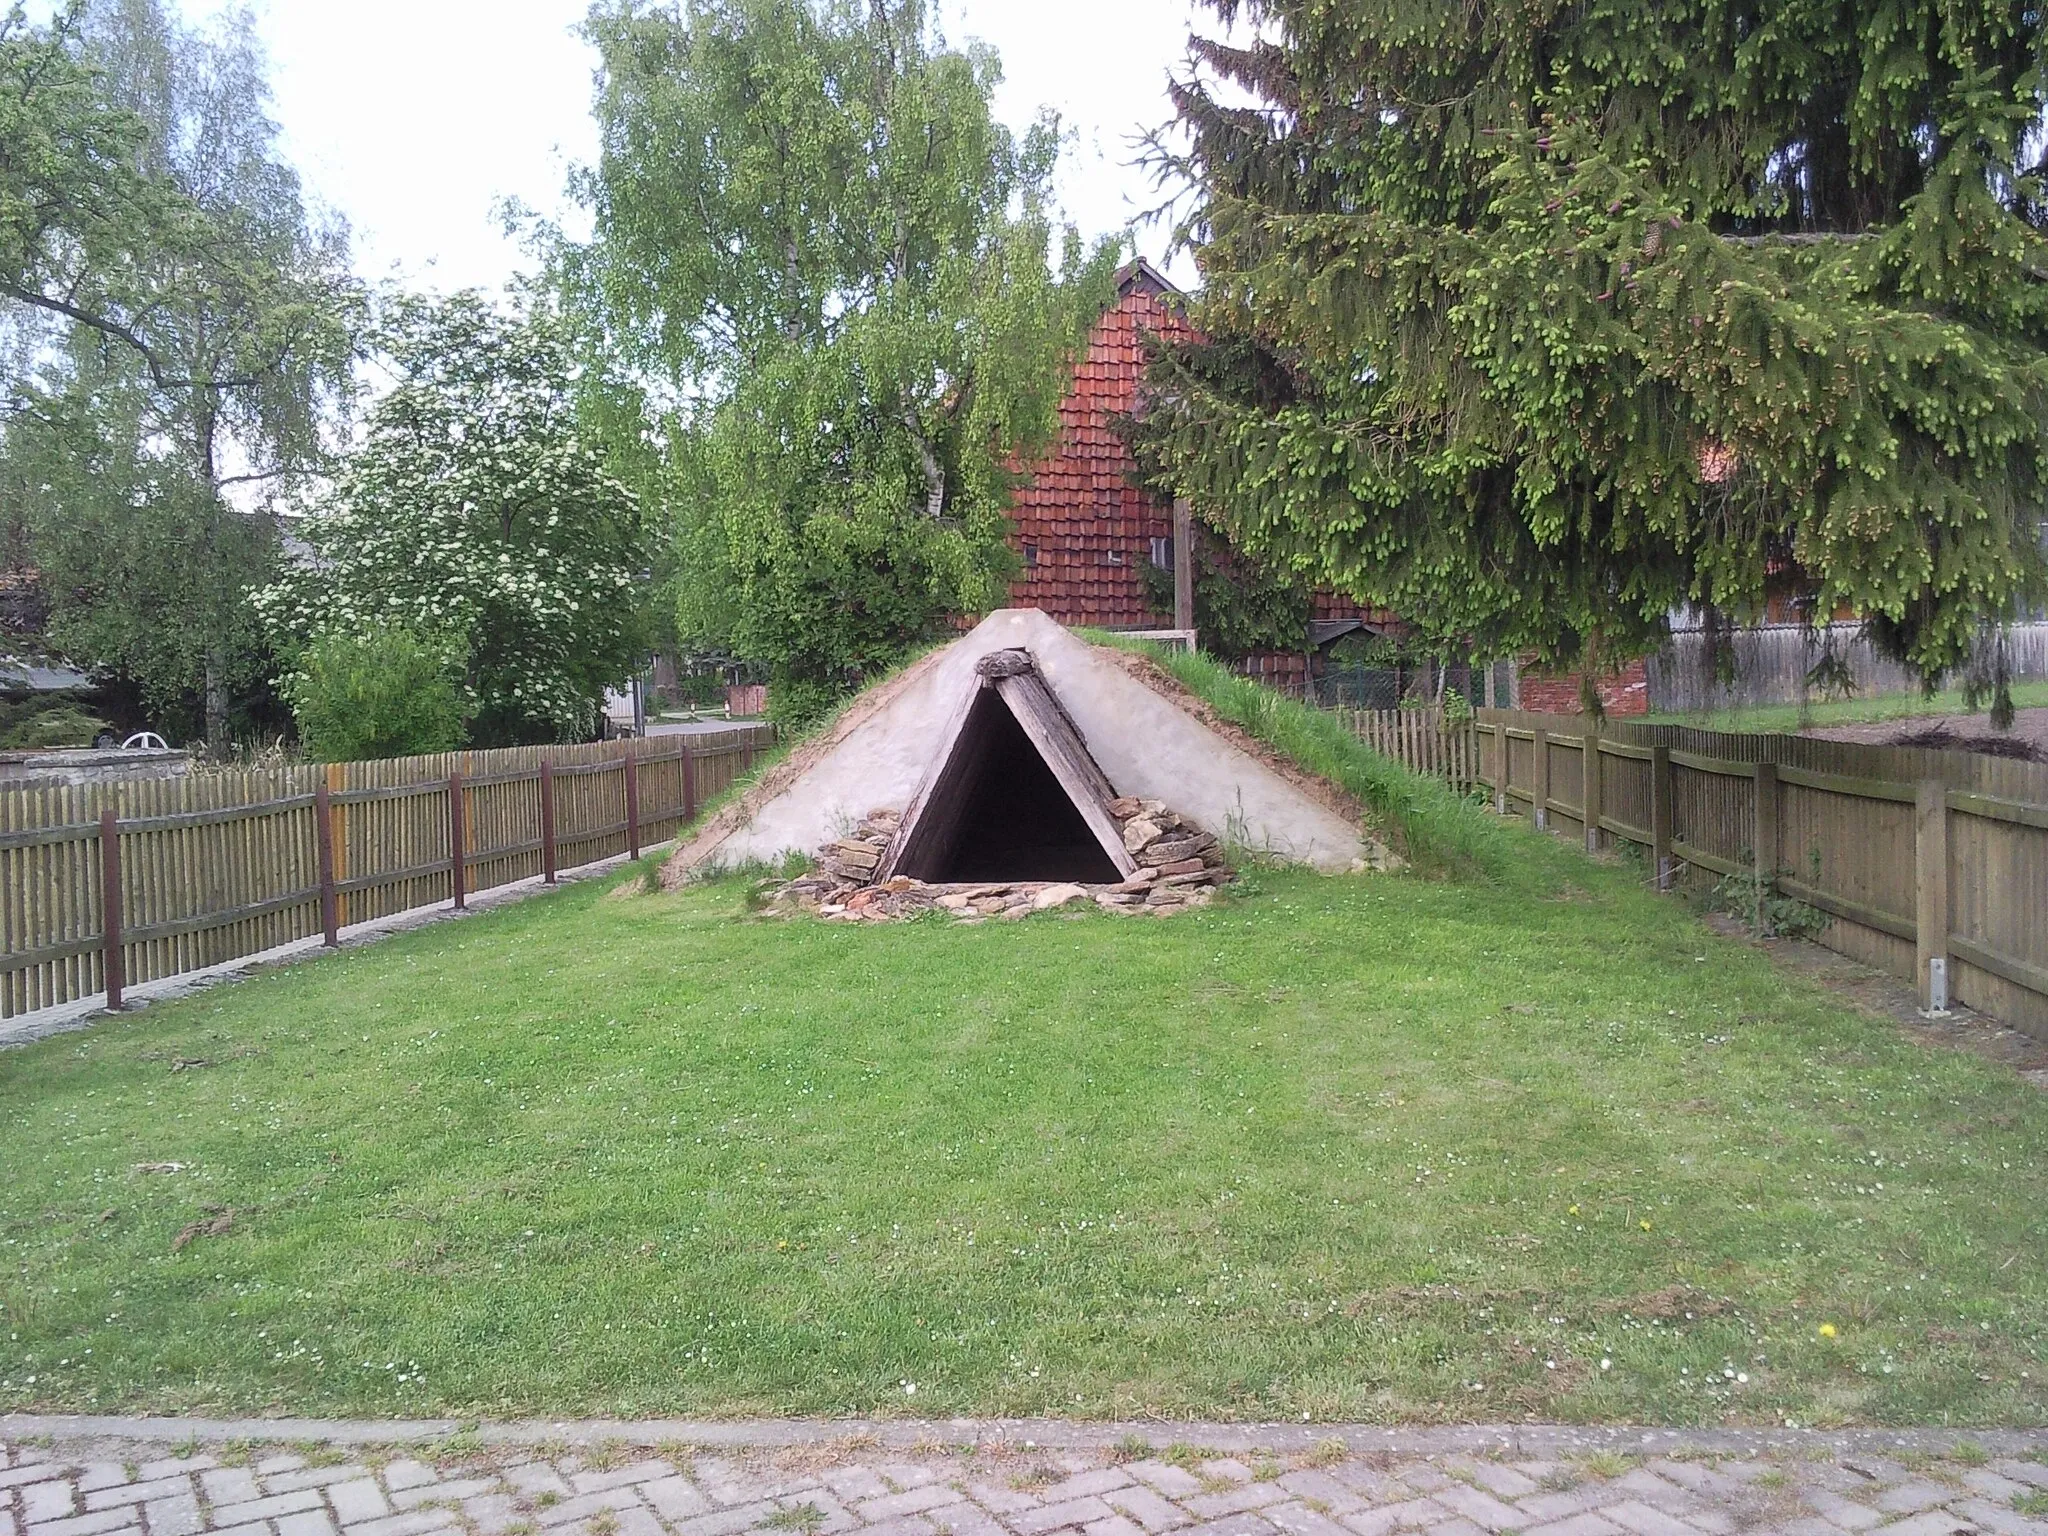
point(1931, 891)
point(1590, 789)
point(1540, 806)
point(689, 781)
point(746, 750)
point(110, 907)
point(547, 821)
point(456, 839)
point(323, 835)
point(632, 802)
point(1766, 830)
point(1500, 768)
point(1660, 815)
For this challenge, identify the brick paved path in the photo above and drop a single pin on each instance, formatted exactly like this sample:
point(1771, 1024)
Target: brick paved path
point(472, 1485)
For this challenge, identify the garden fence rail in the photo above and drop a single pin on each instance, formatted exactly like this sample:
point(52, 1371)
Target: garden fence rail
point(1930, 864)
point(220, 866)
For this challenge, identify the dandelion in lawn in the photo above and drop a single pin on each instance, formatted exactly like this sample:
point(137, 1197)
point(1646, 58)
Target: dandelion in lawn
point(1645, 1225)
point(1827, 1330)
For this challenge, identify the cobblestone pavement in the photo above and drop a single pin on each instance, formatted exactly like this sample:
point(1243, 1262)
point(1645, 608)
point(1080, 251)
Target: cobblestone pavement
point(468, 1485)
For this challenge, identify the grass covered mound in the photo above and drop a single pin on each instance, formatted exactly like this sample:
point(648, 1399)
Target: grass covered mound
point(1356, 1148)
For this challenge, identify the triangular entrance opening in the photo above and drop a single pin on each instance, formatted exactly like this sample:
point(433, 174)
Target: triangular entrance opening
point(1016, 795)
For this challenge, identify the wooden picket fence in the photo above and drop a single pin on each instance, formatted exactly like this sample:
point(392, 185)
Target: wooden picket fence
point(1930, 864)
point(1424, 740)
point(219, 866)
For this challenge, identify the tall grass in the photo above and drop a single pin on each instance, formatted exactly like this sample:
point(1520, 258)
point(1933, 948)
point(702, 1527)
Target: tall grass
point(1435, 829)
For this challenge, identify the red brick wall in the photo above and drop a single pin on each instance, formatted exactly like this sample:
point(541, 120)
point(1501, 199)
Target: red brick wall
point(1626, 692)
point(1085, 532)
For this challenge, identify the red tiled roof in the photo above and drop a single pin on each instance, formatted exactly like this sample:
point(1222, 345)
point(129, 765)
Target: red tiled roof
point(1085, 531)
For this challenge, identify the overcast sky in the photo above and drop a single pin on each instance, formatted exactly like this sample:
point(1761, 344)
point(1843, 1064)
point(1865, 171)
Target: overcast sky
point(413, 118)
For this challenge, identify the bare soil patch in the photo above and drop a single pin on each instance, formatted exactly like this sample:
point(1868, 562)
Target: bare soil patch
point(2027, 740)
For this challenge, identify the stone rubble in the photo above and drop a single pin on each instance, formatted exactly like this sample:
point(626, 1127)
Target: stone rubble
point(1180, 865)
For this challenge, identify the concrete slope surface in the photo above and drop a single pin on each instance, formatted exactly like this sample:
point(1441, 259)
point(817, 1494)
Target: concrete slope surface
point(1148, 745)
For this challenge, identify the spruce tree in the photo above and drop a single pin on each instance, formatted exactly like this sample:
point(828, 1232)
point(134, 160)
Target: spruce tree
point(1535, 321)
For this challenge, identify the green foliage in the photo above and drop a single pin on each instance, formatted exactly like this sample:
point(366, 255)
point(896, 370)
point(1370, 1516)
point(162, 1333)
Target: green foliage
point(1769, 914)
point(381, 692)
point(186, 331)
point(46, 721)
point(1533, 324)
point(478, 508)
point(810, 228)
point(1240, 605)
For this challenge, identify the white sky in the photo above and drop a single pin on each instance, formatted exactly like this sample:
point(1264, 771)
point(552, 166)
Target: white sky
point(412, 118)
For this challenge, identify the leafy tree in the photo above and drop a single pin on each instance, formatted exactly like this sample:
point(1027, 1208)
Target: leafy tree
point(839, 269)
point(478, 508)
point(192, 335)
point(383, 692)
point(1535, 321)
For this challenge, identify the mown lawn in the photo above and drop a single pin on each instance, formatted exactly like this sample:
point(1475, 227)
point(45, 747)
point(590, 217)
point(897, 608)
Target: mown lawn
point(1359, 1148)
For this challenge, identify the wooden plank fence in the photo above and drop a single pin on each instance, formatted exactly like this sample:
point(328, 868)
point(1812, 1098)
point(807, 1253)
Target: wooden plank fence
point(1916, 856)
point(1423, 740)
point(218, 866)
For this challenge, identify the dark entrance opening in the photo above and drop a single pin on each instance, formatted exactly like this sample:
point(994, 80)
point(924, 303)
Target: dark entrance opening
point(998, 812)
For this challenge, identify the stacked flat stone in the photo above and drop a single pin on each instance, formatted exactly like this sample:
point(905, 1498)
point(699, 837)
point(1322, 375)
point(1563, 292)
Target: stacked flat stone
point(1179, 866)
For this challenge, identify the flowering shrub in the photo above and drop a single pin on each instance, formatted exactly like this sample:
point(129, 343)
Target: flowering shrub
point(478, 508)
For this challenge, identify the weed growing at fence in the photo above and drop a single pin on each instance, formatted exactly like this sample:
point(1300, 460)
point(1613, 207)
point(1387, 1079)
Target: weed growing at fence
point(1370, 1147)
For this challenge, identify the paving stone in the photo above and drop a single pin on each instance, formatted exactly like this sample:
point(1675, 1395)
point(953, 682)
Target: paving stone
point(172, 1466)
point(412, 1522)
point(1409, 1514)
point(2032, 1473)
point(358, 1500)
point(85, 1525)
point(1369, 1483)
point(7, 1525)
point(1585, 1523)
point(911, 1474)
point(1083, 1484)
point(675, 1497)
point(903, 1525)
point(138, 1493)
point(103, 1474)
point(267, 1509)
point(310, 1522)
point(1503, 1481)
point(1933, 1522)
point(839, 1518)
point(1458, 1527)
point(587, 1504)
point(1297, 1519)
point(1211, 1506)
point(620, 1477)
point(229, 1485)
point(2002, 1518)
point(29, 1473)
point(1539, 1508)
point(911, 1501)
point(1646, 1519)
point(1422, 1477)
point(489, 1514)
point(1147, 1507)
point(855, 1482)
point(1168, 1479)
point(407, 1473)
point(1050, 1517)
point(175, 1516)
point(313, 1477)
point(453, 1491)
point(270, 1466)
point(1113, 1525)
point(1836, 1510)
point(1004, 1500)
point(533, 1478)
point(1244, 1523)
point(1314, 1483)
point(1228, 1468)
point(1911, 1498)
point(723, 1522)
point(1480, 1507)
point(48, 1501)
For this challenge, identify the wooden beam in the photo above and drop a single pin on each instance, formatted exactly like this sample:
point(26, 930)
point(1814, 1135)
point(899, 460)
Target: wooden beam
point(1930, 905)
point(1183, 565)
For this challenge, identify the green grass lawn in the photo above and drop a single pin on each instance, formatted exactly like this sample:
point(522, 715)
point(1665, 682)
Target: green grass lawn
point(1885, 706)
point(1357, 1148)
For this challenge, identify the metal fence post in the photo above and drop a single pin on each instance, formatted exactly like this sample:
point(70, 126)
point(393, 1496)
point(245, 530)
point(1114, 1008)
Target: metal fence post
point(323, 834)
point(1930, 906)
point(1539, 808)
point(547, 821)
point(456, 839)
point(632, 802)
point(1660, 815)
point(1590, 789)
point(110, 908)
